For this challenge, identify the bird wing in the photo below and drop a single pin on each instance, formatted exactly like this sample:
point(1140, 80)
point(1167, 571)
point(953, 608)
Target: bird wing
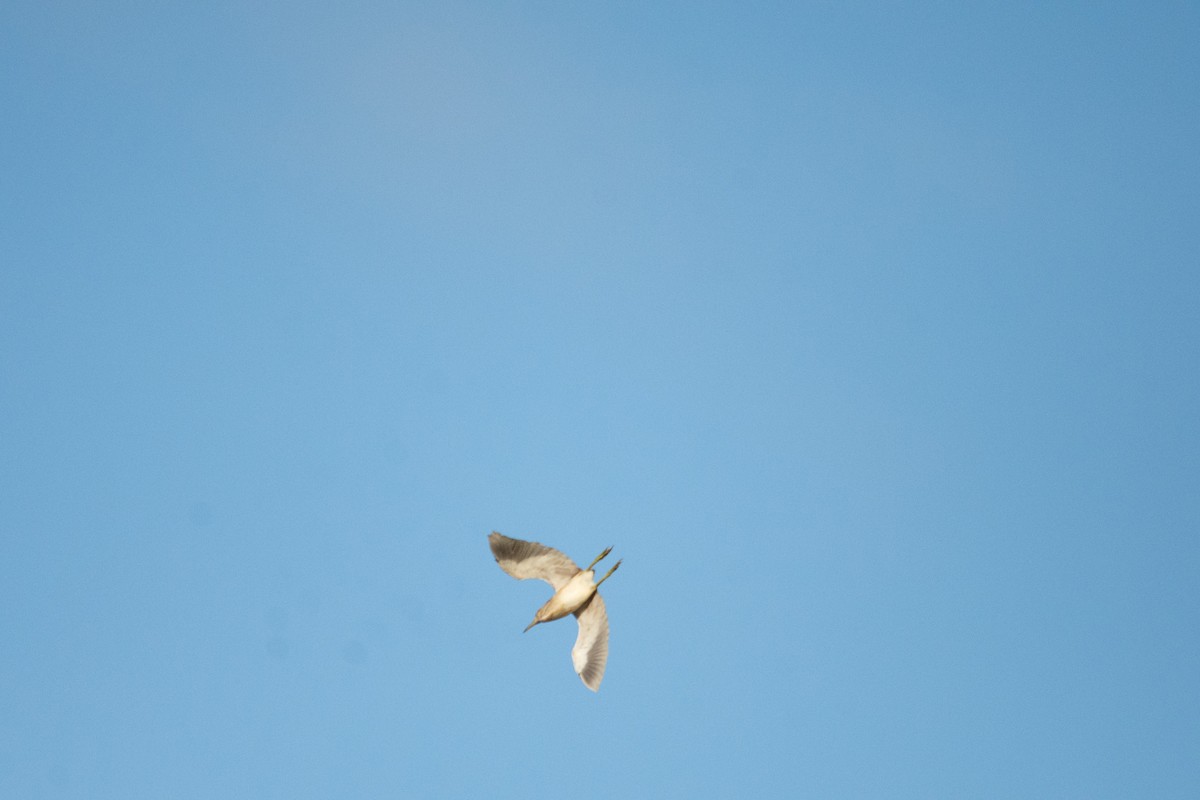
point(523, 560)
point(590, 653)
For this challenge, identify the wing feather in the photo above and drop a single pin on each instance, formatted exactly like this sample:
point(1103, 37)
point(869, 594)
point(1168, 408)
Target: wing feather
point(590, 653)
point(524, 560)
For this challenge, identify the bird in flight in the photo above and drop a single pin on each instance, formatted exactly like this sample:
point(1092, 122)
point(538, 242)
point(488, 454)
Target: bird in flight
point(574, 593)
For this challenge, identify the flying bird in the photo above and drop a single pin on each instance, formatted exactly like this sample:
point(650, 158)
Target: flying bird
point(574, 593)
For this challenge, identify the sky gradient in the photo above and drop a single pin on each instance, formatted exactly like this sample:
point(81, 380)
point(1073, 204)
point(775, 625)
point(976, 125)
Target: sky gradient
point(868, 335)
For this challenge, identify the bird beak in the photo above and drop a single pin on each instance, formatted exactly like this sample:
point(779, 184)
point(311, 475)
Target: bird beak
point(530, 625)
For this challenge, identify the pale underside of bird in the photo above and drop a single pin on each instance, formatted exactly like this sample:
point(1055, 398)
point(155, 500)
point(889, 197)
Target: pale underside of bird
point(574, 593)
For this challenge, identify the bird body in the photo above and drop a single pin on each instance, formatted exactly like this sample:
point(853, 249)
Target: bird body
point(575, 592)
point(570, 598)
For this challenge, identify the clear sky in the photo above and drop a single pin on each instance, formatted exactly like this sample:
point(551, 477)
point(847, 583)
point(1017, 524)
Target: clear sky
point(867, 334)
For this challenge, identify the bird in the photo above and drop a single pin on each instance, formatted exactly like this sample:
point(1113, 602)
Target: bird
point(574, 593)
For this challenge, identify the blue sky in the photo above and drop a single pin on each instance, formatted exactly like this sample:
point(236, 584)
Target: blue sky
point(866, 334)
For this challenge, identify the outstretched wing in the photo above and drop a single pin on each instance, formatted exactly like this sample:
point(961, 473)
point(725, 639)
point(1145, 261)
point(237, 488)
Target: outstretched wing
point(523, 560)
point(590, 653)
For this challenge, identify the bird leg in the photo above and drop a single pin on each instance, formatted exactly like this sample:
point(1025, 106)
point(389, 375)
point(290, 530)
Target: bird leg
point(610, 572)
point(596, 560)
